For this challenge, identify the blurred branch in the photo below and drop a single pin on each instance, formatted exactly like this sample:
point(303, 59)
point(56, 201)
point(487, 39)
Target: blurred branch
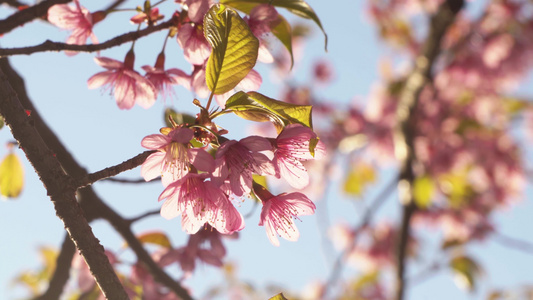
point(150, 213)
point(60, 188)
point(405, 133)
point(29, 14)
point(114, 5)
point(57, 46)
point(61, 273)
point(114, 170)
point(514, 243)
point(375, 204)
point(92, 205)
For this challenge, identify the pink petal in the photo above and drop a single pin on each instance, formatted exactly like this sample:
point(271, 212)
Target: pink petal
point(182, 135)
point(151, 168)
point(108, 63)
point(100, 79)
point(256, 143)
point(294, 173)
point(155, 141)
point(202, 160)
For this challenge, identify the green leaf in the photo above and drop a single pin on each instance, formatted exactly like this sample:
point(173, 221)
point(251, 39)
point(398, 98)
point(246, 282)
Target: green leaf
point(257, 107)
point(2, 119)
point(358, 178)
point(179, 118)
point(297, 7)
point(11, 176)
point(423, 191)
point(466, 272)
point(235, 49)
point(283, 32)
point(278, 297)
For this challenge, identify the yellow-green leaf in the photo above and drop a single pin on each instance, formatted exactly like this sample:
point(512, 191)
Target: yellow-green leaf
point(466, 272)
point(278, 297)
point(282, 30)
point(235, 48)
point(257, 107)
point(2, 119)
point(11, 176)
point(423, 191)
point(297, 7)
point(358, 178)
point(156, 238)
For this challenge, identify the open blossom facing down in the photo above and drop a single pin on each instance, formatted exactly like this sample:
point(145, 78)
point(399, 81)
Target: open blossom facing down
point(174, 157)
point(262, 19)
point(78, 19)
point(164, 79)
point(278, 212)
point(292, 146)
point(237, 161)
point(128, 85)
point(200, 201)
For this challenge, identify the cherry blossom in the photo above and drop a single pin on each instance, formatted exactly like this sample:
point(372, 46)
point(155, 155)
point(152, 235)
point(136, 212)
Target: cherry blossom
point(150, 18)
point(261, 20)
point(239, 160)
point(174, 157)
point(128, 85)
point(78, 19)
point(191, 37)
point(278, 212)
point(292, 146)
point(164, 79)
point(200, 201)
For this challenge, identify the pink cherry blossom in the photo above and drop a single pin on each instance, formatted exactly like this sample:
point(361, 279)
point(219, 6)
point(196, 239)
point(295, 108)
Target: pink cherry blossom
point(174, 157)
point(150, 18)
point(128, 85)
point(164, 79)
point(261, 20)
point(78, 19)
point(200, 201)
point(238, 161)
point(191, 37)
point(291, 148)
point(278, 212)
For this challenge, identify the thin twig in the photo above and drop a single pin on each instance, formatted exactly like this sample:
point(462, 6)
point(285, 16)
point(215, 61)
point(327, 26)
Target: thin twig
point(147, 214)
point(132, 181)
point(29, 14)
point(57, 46)
point(375, 204)
point(514, 243)
point(114, 170)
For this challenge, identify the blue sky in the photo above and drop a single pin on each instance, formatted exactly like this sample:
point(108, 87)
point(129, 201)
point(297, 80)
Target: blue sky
point(99, 135)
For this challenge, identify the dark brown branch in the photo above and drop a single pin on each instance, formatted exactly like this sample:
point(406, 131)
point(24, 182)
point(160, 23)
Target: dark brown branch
point(61, 190)
point(122, 226)
point(57, 46)
point(26, 15)
point(404, 135)
point(92, 204)
point(375, 204)
point(114, 5)
point(61, 272)
point(114, 170)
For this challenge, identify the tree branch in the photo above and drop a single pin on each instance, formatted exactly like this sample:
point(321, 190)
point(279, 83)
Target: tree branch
point(114, 170)
point(510, 242)
point(61, 189)
point(57, 46)
point(61, 272)
point(92, 204)
point(29, 14)
point(405, 133)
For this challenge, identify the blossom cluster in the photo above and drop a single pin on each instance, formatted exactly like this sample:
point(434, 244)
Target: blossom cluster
point(200, 186)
